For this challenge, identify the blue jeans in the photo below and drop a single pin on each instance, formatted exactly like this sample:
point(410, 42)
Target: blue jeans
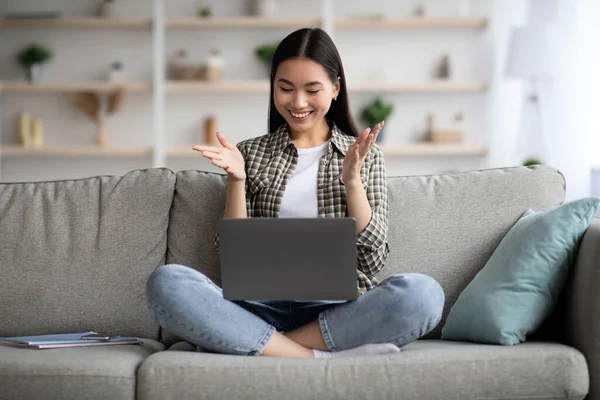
point(400, 309)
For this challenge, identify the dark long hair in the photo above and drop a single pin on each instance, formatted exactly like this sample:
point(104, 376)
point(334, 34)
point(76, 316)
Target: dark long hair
point(314, 44)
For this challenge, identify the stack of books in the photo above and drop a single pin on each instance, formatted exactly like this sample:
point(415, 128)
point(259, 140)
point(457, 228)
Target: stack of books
point(82, 339)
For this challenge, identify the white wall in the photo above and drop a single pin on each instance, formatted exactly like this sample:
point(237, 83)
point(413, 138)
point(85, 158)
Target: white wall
point(400, 55)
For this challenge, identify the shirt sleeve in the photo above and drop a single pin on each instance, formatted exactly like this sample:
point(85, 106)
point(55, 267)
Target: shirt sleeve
point(216, 242)
point(372, 243)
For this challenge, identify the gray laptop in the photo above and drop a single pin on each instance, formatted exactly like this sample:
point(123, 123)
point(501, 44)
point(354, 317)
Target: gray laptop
point(288, 258)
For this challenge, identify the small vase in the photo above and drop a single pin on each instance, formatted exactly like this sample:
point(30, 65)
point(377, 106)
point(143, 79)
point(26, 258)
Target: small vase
point(264, 8)
point(34, 72)
point(116, 75)
point(109, 9)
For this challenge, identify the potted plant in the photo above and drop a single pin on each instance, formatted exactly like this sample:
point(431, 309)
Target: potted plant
point(31, 58)
point(265, 53)
point(532, 161)
point(116, 73)
point(375, 112)
point(203, 9)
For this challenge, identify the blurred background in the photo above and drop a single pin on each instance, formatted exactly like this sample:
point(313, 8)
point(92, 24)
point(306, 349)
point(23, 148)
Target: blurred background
point(95, 87)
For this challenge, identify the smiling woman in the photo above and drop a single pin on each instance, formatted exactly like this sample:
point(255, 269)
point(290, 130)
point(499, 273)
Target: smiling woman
point(313, 163)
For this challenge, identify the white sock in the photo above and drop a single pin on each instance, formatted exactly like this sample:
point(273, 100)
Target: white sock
point(371, 349)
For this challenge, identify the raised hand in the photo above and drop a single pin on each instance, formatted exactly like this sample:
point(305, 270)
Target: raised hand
point(227, 157)
point(357, 153)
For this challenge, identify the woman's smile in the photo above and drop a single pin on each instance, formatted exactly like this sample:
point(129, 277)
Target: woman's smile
point(299, 117)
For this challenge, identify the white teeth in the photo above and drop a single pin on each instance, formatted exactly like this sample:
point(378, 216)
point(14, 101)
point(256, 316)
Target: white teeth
point(300, 115)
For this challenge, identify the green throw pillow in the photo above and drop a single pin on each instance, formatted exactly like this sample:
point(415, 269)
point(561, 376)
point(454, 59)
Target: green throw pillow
point(519, 286)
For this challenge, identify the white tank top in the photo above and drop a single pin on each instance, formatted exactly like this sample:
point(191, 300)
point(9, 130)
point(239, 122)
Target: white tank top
point(300, 196)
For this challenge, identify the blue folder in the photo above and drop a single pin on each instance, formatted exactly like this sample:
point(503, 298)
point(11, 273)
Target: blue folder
point(63, 338)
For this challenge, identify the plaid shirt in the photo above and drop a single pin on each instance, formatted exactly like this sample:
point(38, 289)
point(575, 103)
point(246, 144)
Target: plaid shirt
point(270, 161)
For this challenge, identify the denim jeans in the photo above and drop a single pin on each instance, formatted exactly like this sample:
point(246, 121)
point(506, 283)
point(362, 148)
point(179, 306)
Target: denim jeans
point(400, 309)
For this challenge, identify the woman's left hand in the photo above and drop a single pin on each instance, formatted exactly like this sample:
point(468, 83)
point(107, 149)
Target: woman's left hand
point(355, 157)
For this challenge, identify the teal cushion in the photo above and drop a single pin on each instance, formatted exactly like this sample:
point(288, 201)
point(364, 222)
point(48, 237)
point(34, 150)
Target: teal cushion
point(520, 284)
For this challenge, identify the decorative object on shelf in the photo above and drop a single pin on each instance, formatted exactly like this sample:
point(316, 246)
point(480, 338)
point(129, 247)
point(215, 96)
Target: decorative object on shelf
point(214, 66)
point(97, 107)
point(180, 69)
point(450, 135)
point(443, 70)
point(109, 9)
point(419, 10)
point(464, 8)
point(203, 9)
point(265, 54)
point(366, 17)
point(532, 57)
point(375, 112)
point(210, 130)
point(32, 58)
point(262, 8)
point(31, 131)
point(116, 73)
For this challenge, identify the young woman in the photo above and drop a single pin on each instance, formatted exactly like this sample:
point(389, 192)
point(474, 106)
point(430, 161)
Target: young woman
point(312, 163)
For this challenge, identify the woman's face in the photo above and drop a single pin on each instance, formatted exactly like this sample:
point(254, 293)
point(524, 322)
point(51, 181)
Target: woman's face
point(302, 93)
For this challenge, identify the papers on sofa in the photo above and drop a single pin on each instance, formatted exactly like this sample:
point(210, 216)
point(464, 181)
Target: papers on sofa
point(66, 340)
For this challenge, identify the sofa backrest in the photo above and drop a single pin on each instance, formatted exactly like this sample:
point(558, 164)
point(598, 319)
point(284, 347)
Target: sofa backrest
point(446, 226)
point(75, 254)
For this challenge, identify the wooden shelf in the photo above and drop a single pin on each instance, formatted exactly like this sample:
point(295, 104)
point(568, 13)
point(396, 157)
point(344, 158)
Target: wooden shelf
point(67, 87)
point(411, 149)
point(245, 22)
point(242, 22)
point(257, 86)
point(434, 86)
point(185, 151)
point(434, 149)
point(412, 22)
point(73, 151)
point(262, 86)
point(77, 23)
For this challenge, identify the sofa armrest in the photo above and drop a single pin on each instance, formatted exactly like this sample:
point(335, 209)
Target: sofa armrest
point(582, 301)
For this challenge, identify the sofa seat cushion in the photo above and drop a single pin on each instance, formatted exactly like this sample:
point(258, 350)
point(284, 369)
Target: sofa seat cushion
point(425, 369)
point(103, 372)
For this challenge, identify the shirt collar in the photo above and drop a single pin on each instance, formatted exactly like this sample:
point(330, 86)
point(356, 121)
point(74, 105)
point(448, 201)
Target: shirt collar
point(280, 139)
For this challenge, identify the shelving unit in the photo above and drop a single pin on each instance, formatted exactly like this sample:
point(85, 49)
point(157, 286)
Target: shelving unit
point(74, 151)
point(412, 23)
point(256, 86)
point(434, 149)
point(262, 86)
point(241, 22)
point(159, 25)
point(77, 23)
point(67, 87)
point(412, 149)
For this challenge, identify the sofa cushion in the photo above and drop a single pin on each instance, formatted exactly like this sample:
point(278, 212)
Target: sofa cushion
point(198, 205)
point(446, 226)
point(104, 372)
point(520, 285)
point(75, 254)
point(425, 369)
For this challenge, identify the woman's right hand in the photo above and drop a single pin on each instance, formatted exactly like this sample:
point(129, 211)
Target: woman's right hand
point(227, 157)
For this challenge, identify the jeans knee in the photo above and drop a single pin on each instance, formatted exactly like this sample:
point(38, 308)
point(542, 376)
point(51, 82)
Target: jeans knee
point(424, 292)
point(163, 280)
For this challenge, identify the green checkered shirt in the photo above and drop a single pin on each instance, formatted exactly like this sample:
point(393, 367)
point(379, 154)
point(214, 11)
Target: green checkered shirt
point(270, 161)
